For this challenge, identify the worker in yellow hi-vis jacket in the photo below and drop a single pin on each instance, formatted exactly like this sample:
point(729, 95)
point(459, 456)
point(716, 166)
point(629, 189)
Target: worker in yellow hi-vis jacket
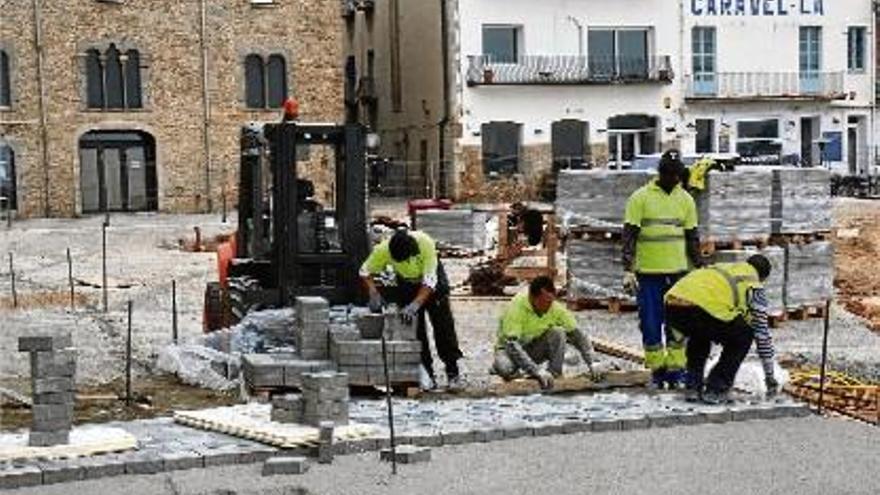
point(660, 244)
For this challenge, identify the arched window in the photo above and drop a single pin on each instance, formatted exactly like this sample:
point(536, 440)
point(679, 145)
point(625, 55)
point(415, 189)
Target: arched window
point(276, 89)
point(265, 81)
point(113, 79)
point(5, 81)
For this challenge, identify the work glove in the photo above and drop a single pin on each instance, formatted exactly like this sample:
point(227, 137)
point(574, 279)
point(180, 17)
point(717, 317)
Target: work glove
point(772, 386)
point(545, 379)
point(409, 313)
point(630, 283)
point(375, 301)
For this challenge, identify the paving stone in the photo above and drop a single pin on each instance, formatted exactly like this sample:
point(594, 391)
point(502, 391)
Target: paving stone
point(53, 363)
point(43, 343)
point(104, 466)
point(356, 446)
point(518, 431)
point(143, 463)
point(20, 476)
point(48, 438)
point(52, 385)
point(178, 461)
point(458, 437)
point(745, 414)
point(429, 440)
point(489, 435)
point(59, 398)
point(256, 454)
point(221, 457)
point(547, 430)
point(600, 425)
point(576, 426)
point(717, 415)
point(61, 472)
point(635, 423)
point(406, 454)
point(662, 420)
point(285, 465)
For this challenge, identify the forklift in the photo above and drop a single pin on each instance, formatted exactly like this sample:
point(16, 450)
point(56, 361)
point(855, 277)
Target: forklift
point(288, 244)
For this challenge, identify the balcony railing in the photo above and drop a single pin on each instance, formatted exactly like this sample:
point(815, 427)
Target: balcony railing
point(767, 85)
point(567, 69)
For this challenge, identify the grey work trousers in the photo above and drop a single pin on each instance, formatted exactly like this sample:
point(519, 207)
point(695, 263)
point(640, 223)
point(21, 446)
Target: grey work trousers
point(549, 348)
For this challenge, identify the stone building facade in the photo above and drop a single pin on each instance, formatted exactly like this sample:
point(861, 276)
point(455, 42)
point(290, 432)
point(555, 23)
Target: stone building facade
point(137, 105)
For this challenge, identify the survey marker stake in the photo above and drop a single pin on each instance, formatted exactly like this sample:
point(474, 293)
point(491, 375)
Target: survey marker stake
point(390, 406)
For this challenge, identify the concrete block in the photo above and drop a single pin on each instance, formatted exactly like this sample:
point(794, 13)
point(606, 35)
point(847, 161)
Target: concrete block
point(143, 463)
point(20, 477)
point(549, 430)
point(48, 438)
point(406, 454)
point(288, 401)
point(294, 368)
point(262, 370)
point(329, 394)
point(44, 343)
point(746, 413)
point(793, 410)
point(430, 440)
point(518, 432)
point(609, 424)
point(576, 426)
point(52, 385)
point(371, 326)
point(663, 420)
point(255, 454)
point(61, 472)
point(356, 446)
point(324, 379)
point(285, 465)
point(221, 457)
point(489, 435)
point(56, 398)
point(458, 437)
point(48, 412)
point(179, 461)
point(48, 364)
point(104, 466)
point(286, 415)
point(717, 416)
point(635, 423)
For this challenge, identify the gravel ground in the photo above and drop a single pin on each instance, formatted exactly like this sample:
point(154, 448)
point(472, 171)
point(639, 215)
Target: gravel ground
point(803, 456)
point(143, 257)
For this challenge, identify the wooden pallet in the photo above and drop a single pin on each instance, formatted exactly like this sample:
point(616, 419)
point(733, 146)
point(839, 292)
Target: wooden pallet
point(710, 246)
point(802, 238)
point(612, 305)
point(806, 312)
point(595, 234)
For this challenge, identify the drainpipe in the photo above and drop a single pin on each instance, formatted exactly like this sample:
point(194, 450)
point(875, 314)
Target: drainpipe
point(580, 29)
point(41, 82)
point(206, 109)
point(444, 121)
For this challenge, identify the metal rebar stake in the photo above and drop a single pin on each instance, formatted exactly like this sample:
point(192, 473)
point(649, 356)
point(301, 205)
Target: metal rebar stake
point(12, 280)
point(824, 356)
point(128, 360)
point(104, 263)
point(70, 280)
point(390, 406)
point(174, 311)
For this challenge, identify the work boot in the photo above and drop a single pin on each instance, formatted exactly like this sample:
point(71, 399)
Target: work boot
point(676, 379)
point(715, 398)
point(426, 381)
point(658, 380)
point(454, 383)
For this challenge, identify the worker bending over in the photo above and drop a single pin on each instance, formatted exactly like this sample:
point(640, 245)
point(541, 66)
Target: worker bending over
point(727, 304)
point(534, 329)
point(421, 286)
point(659, 239)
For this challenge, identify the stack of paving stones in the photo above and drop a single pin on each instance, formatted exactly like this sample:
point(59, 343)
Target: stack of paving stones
point(358, 351)
point(324, 398)
point(597, 198)
point(53, 366)
point(736, 205)
point(456, 229)
point(312, 330)
point(801, 200)
point(809, 274)
point(281, 370)
point(595, 270)
point(775, 284)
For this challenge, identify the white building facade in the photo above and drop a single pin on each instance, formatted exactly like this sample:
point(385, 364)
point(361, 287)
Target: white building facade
point(566, 82)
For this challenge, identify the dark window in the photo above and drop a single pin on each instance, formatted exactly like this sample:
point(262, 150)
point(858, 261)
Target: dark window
point(601, 52)
point(500, 43)
point(618, 53)
point(501, 143)
point(758, 141)
point(133, 79)
point(254, 83)
point(113, 76)
point(265, 81)
point(113, 79)
point(94, 79)
point(856, 48)
point(570, 143)
point(277, 76)
point(758, 129)
point(5, 81)
point(7, 177)
point(705, 136)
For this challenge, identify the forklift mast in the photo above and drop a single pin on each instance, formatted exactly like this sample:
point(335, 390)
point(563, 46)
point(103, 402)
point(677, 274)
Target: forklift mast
point(282, 237)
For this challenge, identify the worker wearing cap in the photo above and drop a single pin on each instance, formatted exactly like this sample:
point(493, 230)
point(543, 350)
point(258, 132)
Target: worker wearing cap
point(660, 244)
point(724, 303)
point(422, 286)
point(534, 329)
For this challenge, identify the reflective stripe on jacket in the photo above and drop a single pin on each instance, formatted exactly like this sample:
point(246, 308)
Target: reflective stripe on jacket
point(662, 219)
point(721, 290)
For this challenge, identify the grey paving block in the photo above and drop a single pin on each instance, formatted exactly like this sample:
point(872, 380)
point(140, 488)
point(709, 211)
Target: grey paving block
point(178, 461)
point(61, 472)
point(717, 416)
point(691, 419)
point(256, 454)
point(406, 454)
point(221, 457)
point(489, 435)
point(143, 463)
point(324, 379)
point(48, 412)
point(549, 430)
point(43, 343)
point(663, 420)
point(279, 415)
point(356, 446)
point(104, 466)
point(20, 476)
point(635, 423)
point(435, 440)
point(458, 437)
point(285, 465)
point(793, 410)
point(55, 398)
point(53, 363)
point(48, 438)
point(326, 394)
point(576, 426)
point(746, 414)
point(518, 431)
point(52, 385)
point(601, 425)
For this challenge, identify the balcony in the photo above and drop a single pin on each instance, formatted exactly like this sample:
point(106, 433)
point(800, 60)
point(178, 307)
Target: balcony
point(767, 86)
point(567, 69)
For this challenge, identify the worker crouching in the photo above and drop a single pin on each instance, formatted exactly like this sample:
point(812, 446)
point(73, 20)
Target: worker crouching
point(535, 329)
point(724, 303)
point(422, 286)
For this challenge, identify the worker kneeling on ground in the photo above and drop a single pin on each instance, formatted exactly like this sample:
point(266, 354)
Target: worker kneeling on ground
point(724, 303)
point(421, 286)
point(534, 329)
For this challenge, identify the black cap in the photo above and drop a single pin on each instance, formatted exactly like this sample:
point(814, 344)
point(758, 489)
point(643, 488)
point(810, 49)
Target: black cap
point(670, 161)
point(761, 265)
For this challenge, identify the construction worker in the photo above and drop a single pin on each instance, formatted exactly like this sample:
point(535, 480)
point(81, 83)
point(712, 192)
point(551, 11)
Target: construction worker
point(421, 286)
point(659, 240)
point(724, 303)
point(534, 329)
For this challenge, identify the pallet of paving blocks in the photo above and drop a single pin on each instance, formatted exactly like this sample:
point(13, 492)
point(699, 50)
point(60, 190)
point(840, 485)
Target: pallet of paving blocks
point(324, 397)
point(809, 278)
point(734, 209)
point(801, 202)
point(596, 198)
point(263, 372)
point(595, 275)
point(358, 351)
point(311, 332)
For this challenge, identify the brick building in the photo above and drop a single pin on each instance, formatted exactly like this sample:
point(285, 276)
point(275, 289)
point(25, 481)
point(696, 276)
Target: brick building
point(137, 106)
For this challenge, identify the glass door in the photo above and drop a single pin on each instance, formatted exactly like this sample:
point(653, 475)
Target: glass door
point(703, 47)
point(810, 59)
